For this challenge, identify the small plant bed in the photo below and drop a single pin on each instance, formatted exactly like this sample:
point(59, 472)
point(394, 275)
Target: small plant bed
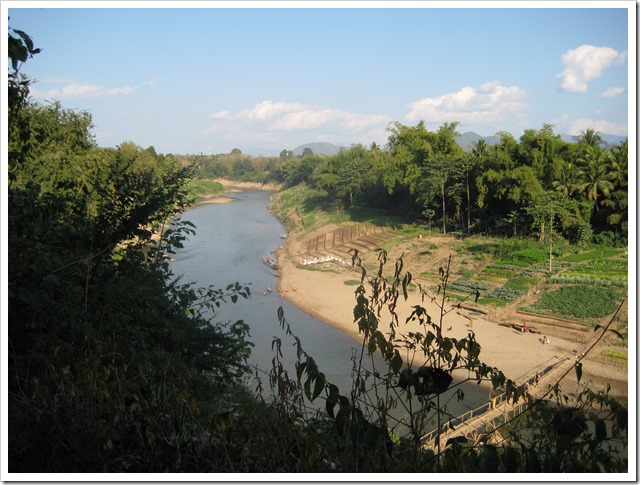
point(468, 286)
point(524, 258)
point(614, 355)
point(522, 283)
point(542, 269)
point(498, 271)
point(595, 254)
point(506, 294)
point(457, 296)
point(596, 272)
point(584, 303)
point(496, 302)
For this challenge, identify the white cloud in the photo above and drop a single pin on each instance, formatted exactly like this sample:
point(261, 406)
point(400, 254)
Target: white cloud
point(270, 121)
point(613, 92)
point(586, 63)
point(265, 110)
point(489, 103)
point(74, 90)
point(603, 126)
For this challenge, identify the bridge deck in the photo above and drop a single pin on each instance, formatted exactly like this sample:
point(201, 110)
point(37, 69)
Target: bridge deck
point(487, 417)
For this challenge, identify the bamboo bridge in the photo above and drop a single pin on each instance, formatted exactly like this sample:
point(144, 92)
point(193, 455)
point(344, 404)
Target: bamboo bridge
point(479, 422)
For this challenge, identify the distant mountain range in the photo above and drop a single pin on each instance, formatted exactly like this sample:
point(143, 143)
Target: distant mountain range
point(469, 138)
point(318, 148)
point(466, 140)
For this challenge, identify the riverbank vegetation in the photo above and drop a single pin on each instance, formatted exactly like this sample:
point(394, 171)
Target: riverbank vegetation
point(202, 189)
point(116, 365)
point(539, 185)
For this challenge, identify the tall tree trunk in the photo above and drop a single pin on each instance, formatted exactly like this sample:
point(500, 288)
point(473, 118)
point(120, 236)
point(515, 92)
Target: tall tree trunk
point(468, 207)
point(444, 213)
point(550, 242)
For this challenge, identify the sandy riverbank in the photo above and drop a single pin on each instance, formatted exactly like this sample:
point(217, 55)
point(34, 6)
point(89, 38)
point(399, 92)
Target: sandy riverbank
point(231, 187)
point(233, 184)
point(324, 295)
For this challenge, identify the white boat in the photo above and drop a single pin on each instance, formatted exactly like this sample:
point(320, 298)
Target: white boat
point(270, 261)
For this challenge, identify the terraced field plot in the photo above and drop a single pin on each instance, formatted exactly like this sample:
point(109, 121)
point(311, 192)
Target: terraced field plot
point(340, 241)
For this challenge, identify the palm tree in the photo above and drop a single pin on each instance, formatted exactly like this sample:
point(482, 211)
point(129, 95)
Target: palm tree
point(479, 150)
point(570, 180)
point(597, 181)
point(618, 157)
point(590, 137)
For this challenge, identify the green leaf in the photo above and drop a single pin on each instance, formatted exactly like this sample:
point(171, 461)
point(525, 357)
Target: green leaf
point(396, 363)
point(320, 382)
point(332, 399)
point(622, 417)
point(299, 370)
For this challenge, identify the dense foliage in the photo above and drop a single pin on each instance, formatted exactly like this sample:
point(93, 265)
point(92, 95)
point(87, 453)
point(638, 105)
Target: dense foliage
point(534, 186)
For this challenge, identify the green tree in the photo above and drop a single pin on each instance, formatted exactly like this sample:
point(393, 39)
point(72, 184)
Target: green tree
point(597, 183)
point(351, 175)
point(545, 208)
point(286, 153)
point(570, 180)
point(590, 138)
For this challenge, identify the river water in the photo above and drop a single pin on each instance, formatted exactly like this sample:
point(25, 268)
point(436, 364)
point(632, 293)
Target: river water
point(228, 247)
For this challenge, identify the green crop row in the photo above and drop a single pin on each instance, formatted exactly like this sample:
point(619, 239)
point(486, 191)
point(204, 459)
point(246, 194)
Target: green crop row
point(580, 301)
point(597, 254)
point(587, 280)
point(463, 285)
point(508, 294)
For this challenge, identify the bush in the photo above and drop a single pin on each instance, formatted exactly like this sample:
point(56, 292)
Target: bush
point(610, 239)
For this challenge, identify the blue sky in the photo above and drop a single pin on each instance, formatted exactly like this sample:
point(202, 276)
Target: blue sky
point(265, 78)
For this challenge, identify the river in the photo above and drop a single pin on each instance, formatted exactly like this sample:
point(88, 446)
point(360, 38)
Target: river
point(228, 247)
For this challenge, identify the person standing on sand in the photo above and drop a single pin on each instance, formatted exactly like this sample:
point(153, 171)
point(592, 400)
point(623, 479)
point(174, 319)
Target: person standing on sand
point(524, 328)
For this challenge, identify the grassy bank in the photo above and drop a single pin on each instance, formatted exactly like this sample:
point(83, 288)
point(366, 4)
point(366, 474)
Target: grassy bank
point(201, 189)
